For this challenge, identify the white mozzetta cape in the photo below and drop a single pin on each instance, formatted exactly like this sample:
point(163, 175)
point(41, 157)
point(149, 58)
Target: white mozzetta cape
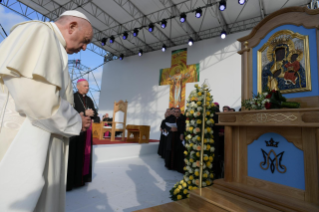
point(35, 105)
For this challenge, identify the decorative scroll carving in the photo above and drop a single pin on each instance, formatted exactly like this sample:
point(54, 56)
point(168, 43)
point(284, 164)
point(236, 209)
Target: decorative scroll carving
point(268, 117)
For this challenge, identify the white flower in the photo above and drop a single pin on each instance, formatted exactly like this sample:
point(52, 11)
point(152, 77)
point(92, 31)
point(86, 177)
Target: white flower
point(203, 184)
point(188, 137)
point(186, 178)
point(190, 171)
point(194, 165)
point(185, 160)
point(212, 149)
point(210, 166)
point(212, 115)
point(205, 131)
point(199, 109)
point(194, 139)
point(193, 122)
point(186, 145)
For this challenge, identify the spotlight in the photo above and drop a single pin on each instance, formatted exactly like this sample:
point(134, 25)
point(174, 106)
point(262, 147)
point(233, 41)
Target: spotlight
point(222, 5)
point(121, 56)
point(183, 18)
point(163, 48)
point(163, 24)
point(198, 13)
point(140, 53)
point(190, 41)
point(151, 27)
point(223, 34)
point(112, 39)
point(135, 32)
point(125, 34)
point(241, 2)
point(103, 41)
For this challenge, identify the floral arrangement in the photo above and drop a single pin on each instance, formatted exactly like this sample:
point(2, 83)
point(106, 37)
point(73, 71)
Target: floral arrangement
point(270, 99)
point(194, 116)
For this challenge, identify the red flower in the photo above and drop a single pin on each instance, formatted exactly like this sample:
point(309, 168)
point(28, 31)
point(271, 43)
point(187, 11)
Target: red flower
point(273, 91)
point(267, 105)
point(268, 96)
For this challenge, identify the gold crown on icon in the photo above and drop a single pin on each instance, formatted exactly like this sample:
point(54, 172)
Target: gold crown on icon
point(282, 39)
point(296, 51)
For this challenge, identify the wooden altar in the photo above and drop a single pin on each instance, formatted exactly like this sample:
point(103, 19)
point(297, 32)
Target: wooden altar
point(271, 156)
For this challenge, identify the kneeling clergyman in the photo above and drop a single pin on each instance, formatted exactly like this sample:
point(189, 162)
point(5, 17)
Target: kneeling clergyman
point(36, 111)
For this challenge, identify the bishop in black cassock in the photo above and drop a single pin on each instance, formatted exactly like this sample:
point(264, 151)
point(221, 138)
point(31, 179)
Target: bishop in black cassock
point(80, 147)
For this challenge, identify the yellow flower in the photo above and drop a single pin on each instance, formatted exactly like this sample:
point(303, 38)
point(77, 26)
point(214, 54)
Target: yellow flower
point(185, 152)
point(190, 187)
point(208, 94)
point(182, 181)
point(205, 119)
point(205, 175)
point(195, 187)
point(191, 177)
point(213, 105)
point(180, 187)
point(184, 184)
point(198, 138)
point(212, 140)
point(210, 159)
point(208, 163)
point(205, 141)
point(199, 121)
point(177, 191)
point(208, 147)
point(197, 154)
point(189, 182)
point(196, 173)
point(187, 195)
point(205, 158)
point(207, 113)
point(191, 160)
point(191, 144)
point(207, 182)
point(208, 129)
point(199, 103)
point(207, 104)
point(187, 121)
point(211, 175)
point(199, 93)
point(196, 86)
point(185, 191)
point(193, 98)
point(191, 129)
point(185, 168)
point(179, 197)
point(191, 112)
point(208, 98)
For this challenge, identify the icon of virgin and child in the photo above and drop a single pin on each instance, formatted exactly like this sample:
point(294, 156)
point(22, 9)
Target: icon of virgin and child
point(283, 63)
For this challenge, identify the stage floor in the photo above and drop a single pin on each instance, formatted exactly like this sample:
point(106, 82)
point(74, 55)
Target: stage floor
point(118, 141)
point(124, 186)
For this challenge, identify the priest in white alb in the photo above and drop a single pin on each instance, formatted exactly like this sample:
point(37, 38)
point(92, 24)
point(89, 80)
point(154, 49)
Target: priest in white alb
point(36, 111)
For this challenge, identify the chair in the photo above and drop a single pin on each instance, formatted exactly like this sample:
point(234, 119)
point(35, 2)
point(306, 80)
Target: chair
point(118, 122)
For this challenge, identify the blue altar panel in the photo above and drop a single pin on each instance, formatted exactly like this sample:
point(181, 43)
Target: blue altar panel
point(292, 158)
point(312, 55)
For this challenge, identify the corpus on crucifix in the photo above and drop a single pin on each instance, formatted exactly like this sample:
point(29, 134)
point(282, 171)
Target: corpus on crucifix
point(177, 76)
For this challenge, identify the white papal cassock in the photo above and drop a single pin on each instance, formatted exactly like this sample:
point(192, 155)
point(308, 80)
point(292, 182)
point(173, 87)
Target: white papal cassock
point(37, 118)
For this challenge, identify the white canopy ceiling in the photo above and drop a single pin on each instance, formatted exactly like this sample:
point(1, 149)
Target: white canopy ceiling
point(113, 17)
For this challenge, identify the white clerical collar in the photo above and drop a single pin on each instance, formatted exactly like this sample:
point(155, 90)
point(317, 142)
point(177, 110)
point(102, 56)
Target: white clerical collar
point(56, 29)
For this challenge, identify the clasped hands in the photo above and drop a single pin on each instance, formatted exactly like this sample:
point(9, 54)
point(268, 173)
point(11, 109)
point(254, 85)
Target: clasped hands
point(86, 122)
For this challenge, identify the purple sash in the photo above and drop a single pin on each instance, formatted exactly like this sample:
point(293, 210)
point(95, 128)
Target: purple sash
point(87, 152)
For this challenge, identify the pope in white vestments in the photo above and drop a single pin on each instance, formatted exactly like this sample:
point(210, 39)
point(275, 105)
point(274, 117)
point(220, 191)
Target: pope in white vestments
point(36, 111)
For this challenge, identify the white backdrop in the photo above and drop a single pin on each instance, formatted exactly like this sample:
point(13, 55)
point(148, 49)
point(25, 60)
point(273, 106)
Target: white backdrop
point(136, 79)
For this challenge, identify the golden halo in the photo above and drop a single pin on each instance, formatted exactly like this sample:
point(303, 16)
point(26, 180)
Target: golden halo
point(300, 55)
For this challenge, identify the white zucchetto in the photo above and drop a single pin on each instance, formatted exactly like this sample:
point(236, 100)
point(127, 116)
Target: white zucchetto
point(75, 13)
